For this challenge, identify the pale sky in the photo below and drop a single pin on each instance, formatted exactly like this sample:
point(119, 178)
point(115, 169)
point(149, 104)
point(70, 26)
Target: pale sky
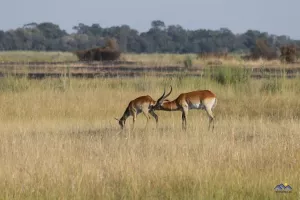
point(273, 16)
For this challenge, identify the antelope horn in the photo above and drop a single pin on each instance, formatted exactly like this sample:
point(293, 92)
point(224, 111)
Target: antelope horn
point(168, 93)
point(162, 96)
point(117, 119)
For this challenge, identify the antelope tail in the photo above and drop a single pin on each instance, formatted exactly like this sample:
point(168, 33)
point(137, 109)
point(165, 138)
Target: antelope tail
point(214, 103)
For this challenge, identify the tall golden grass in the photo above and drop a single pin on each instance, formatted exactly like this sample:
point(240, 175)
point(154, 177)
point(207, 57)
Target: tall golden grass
point(59, 140)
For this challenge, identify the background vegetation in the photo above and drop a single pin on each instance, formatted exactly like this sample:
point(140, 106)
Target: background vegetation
point(160, 38)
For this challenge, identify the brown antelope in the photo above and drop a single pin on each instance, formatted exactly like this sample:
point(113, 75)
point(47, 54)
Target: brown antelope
point(142, 104)
point(200, 99)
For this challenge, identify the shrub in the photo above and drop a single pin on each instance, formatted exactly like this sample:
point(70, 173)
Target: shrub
point(261, 50)
point(188, 62)
point(288, 53)
point(207, 55)
point(231, 75)
point(107, 53)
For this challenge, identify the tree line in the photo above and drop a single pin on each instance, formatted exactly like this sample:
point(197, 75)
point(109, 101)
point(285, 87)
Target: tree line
point(159, 38)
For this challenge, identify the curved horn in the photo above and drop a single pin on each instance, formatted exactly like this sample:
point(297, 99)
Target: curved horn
point(162, 99)
point(162, 96)
point(168, 93)
point(117, 119)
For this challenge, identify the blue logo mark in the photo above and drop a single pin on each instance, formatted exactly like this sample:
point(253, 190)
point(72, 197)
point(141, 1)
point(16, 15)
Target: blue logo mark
point(283, 188)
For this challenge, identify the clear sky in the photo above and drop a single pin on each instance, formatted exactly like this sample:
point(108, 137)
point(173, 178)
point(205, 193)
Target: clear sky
point(273, 16)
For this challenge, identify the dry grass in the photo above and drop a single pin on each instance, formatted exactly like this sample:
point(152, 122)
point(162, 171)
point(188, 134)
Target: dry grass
point(59, 141)
point(36, 56)
point(142, 60)
point(178, 59)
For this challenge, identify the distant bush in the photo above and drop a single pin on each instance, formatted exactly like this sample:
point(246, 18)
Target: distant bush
point(261, 50)
point(109, 52)
point(288, 53)
point(206, 55)
point(231, 75)
point(188, 62)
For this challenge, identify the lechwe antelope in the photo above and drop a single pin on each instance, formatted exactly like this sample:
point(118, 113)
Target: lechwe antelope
point(142, 104)
point(200, 99)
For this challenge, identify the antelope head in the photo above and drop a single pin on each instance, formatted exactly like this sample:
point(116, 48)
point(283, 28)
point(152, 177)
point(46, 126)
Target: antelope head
point(121, 122)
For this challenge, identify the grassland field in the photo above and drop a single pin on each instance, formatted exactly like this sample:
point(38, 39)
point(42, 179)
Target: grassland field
point(59, 140)
point(143, 59)
point(33, 64)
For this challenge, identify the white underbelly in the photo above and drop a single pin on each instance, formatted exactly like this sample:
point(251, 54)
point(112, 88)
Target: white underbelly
point(196, 106)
